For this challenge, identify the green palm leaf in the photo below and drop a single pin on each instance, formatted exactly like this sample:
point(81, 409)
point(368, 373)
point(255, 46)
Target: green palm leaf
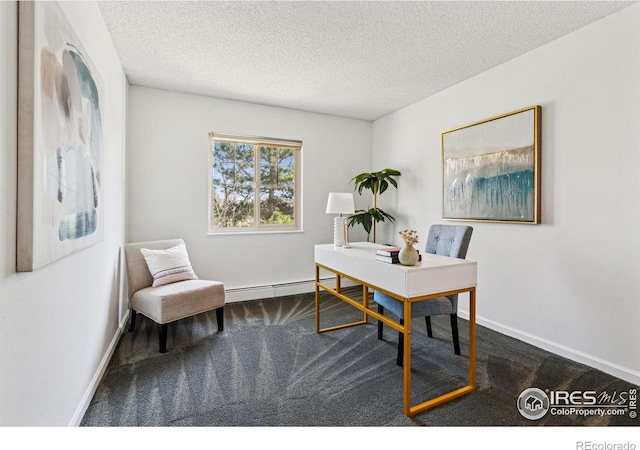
point(377, 183)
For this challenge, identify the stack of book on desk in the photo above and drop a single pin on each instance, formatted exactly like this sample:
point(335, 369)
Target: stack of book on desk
point(388, 254)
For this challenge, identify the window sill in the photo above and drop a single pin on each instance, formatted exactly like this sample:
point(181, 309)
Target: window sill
point(240, 233)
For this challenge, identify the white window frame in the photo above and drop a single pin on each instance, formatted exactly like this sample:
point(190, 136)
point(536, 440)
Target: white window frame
point(258, 141)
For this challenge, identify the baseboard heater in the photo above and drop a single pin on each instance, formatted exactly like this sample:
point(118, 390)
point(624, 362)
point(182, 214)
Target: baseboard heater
point(278, 290)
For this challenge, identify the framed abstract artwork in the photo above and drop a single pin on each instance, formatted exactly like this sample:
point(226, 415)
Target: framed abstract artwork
point(60, 139)
point(491, 169)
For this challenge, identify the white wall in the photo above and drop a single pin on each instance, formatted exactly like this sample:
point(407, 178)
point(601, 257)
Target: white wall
point(571, 284)
point(57, 323)
point(168, 174)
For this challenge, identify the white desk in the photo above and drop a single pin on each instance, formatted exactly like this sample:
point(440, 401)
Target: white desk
point(432, 277)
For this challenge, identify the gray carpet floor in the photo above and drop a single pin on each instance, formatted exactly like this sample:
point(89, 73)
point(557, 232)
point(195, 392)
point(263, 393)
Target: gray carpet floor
point(269, 368)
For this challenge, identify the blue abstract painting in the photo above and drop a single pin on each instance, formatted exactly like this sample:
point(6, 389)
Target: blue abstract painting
point(491, 169)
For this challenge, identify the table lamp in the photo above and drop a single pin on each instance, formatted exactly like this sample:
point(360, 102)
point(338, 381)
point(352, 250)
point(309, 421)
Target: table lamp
point(340, 203)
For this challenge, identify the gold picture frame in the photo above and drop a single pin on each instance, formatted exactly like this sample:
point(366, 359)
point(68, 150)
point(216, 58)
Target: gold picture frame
point(491, 169)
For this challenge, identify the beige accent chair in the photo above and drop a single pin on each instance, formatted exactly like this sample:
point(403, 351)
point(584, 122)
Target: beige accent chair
point(170, 302)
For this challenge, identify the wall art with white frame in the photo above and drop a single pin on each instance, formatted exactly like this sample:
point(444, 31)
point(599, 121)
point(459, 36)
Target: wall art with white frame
point(60, 139)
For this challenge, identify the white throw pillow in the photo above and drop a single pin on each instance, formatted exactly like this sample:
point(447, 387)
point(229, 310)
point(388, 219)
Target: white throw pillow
point(169, 266)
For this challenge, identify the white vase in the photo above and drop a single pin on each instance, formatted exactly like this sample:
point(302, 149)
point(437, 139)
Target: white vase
point(408, 255)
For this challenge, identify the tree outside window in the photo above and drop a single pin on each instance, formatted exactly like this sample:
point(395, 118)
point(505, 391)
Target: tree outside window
point(254, 184)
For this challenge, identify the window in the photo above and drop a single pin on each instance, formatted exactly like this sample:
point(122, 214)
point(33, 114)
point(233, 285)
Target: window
point(255, 184)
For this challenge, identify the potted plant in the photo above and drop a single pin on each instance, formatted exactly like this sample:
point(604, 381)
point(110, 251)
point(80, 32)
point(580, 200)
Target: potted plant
point(377, 183)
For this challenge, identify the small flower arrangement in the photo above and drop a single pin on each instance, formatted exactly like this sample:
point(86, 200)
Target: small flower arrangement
point(409, 237)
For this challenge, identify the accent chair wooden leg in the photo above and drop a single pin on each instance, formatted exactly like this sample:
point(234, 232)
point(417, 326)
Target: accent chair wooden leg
point(380, 323)
point(400, 346)
point(132, 319)
point(427, 320)
point(163, 338)
point(454, 332)
point(220, 318)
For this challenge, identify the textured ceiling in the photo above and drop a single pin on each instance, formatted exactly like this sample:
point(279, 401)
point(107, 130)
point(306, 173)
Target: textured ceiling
point(359, 59)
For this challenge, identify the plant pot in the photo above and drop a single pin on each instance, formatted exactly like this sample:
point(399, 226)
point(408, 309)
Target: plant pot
point(408, 255)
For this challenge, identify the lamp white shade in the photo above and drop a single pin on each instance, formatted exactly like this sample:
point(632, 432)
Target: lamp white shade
point(340, 203)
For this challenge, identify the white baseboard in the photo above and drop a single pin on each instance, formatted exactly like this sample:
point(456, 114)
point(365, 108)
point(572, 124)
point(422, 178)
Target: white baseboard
point(277, 290)
point(616, 370)
point(97, 377)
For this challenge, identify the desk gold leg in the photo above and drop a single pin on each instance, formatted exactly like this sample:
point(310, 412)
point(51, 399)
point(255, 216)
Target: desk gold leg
point(365, 302)
point(405, 329)
point(407, 358)
point(317, 299)
point(410, 411)
point(472, 338)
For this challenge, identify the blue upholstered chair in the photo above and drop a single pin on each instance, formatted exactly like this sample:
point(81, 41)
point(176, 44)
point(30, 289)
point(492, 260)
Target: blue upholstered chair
point(446, 240)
